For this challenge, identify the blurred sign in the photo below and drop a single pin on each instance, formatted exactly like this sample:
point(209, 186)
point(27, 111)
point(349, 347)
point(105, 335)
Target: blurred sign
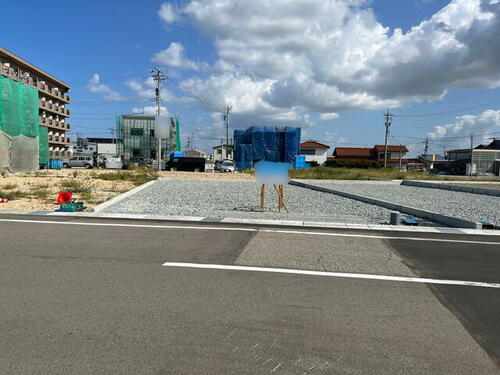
point(271, 173)
point(162, 127)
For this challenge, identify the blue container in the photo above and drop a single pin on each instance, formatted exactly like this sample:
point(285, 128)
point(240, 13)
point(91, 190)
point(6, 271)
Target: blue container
point(300, 161)
point(55, 164)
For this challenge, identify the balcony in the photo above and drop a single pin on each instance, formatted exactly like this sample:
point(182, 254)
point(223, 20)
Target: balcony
point(45, 89)
point(61, 140)
point(53, 123)
point(52, 107)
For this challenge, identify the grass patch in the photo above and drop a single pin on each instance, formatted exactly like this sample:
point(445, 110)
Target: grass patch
point(11, 195)
point(40, 193)
point(137, 177)
point(77, 186)
point(328, 173)
point(86, 196)
point(9, 186)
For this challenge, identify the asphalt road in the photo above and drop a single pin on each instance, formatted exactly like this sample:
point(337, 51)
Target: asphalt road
point(92, 296)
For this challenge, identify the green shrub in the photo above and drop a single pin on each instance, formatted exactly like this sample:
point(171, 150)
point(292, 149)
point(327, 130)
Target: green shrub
point(11, 195)
point(77, 186)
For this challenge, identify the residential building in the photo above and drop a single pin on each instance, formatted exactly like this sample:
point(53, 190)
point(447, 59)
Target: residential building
point(52, 96)
point(104, 146)
point(431, 160)
point(222, 152)
point(353, 154)
point(396, 155)
point(314, 151)
point(136, 142)
point(196, 154)
point(458, 160)
point(486, 158)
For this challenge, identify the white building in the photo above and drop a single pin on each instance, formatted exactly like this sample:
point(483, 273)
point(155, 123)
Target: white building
point(314, 151)
point(222, 152)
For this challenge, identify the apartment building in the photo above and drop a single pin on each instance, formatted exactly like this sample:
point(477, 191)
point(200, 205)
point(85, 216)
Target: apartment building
point(53, 100)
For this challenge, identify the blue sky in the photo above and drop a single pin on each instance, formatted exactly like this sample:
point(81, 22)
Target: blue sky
point(330, 66)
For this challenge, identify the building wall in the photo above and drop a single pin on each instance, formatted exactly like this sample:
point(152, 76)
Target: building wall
point(53, 100)
point(315, 154)
point(486, 161)
point(106, 148)
point(219, 153)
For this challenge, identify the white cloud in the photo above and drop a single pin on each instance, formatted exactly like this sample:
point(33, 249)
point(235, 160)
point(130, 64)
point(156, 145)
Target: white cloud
point(285, 57)
point(483, 126)
point(167, 13)
point(145, 90)
point(329, 116)
point(95, 86)
point(149, 110)
point(174, 56)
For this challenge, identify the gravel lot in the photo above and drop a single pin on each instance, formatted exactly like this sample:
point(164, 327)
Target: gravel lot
point(240, 199)
point(459, 204)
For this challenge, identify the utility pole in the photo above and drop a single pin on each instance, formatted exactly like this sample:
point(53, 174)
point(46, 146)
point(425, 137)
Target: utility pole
point(388, 122)
point(158, 77)
point(471, 142)
point(400, 156)
point(426, 149)
point(227, 108)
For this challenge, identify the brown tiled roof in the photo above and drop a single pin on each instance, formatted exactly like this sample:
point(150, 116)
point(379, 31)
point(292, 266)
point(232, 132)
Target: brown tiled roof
point(313, 144)
point(390, 148)
point(349, 159)
point(352, 151)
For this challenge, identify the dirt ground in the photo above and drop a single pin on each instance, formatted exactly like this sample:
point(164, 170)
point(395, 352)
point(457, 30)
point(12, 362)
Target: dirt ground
point(38, 190)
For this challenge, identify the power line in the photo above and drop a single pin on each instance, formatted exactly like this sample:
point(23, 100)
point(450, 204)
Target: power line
point(196, 96)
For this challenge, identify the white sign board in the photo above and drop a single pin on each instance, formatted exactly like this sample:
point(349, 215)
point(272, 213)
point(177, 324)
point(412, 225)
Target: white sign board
point(162, 127)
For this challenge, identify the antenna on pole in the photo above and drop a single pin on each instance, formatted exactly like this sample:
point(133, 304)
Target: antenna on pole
point(388, 122)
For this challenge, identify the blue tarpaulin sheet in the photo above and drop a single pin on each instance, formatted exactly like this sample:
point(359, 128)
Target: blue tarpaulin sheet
point(258, 143)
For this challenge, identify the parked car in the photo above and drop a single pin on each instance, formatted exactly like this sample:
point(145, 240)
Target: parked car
point(217, 165)
point(79, 161)
point(186, 164)
point(227, 166)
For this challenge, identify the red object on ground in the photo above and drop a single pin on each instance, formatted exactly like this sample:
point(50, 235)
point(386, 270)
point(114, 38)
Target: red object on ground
point(64, 197)
point(4, 200)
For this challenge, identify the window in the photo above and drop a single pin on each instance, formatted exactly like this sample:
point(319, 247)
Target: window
point(136, 131)
point(219, 151)
point(307, 152)
point(136, 152)
point(152, 132)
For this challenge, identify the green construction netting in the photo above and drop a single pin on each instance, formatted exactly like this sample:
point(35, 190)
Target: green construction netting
point(18, 108)
point(177, 135)
point(43, 144)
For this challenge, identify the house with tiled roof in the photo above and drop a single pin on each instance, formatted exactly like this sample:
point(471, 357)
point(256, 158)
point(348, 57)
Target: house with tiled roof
point(314, 151)
point(396, 154)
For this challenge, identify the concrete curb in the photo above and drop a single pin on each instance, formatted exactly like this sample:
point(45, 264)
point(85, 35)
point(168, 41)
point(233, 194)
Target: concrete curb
point(278, 223)
point(465, 189)
point(428, 215)
point(120, 197)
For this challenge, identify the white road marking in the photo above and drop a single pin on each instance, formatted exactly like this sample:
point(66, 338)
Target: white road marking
point(333, 274)
point(242, 229)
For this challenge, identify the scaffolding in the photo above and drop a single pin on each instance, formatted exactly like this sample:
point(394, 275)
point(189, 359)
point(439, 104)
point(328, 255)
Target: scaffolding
point(23, 142)
point(136, 142)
